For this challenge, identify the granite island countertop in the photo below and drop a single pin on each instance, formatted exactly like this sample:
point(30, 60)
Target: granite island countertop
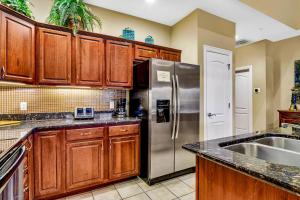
point(286, 177)
point(12, 136)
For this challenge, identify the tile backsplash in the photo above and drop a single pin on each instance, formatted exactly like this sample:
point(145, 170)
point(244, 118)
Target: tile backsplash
point(52, 99)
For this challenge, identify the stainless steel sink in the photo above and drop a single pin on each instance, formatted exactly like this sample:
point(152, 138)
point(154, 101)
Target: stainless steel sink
point(280, 142)
point(268, 153)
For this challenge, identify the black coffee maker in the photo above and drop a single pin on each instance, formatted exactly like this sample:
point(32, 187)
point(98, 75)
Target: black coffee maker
point(120, 108)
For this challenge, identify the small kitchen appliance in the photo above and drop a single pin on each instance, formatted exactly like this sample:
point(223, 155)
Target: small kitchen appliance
point(120, 108)
point(84, 113)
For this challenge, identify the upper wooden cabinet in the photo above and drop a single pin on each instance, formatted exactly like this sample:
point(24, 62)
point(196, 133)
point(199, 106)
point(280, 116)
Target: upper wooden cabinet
point(89, 61)
point(119, 64)
point(54, 57)
point(17, 47)
point(145, 53)
point(170, 55)
point(49, 170)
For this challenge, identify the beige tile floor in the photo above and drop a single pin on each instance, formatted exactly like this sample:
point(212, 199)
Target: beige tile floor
point(181, 188)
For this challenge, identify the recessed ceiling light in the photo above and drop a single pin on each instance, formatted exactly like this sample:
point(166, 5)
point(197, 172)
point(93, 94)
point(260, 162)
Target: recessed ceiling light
point(150, 1)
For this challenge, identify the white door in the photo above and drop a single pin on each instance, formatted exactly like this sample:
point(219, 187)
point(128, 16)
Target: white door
point(218, 93)
point(243, 101)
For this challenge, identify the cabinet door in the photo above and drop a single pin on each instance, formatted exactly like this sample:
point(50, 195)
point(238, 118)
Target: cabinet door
point(170, 55)
point(48, 161)
point(17, 49)
point(145, 53)
point(84, 164)
point(89, 61)
point(54, 57)
point(123, 157)
point(119, 64)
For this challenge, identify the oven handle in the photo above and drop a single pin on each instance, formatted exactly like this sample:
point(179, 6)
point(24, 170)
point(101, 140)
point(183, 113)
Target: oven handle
point(5, 177)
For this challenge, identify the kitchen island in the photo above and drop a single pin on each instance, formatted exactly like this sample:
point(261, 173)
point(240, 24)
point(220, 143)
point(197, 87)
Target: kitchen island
point(224, 174)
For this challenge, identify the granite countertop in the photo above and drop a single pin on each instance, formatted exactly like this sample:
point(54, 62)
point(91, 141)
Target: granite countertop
point(287, 177)
point(12, 136)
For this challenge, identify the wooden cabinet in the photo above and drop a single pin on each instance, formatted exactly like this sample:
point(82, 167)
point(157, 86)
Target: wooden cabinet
point(291, 117)
point(124, 148)
point(145, 53)
point(119, 64)
point(84, 163)
point(28, 180)
point(17, 47)
point(54, 57)
point(89, 61)
point(49, 170)
point(169, 55)
point(217, 182)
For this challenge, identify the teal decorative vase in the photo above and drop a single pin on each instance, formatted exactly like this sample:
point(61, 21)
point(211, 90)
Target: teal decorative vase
point(128, 34)
point(149, 39)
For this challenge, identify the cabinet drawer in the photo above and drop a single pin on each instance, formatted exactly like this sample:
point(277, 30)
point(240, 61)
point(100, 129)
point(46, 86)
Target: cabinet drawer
point(144, 53)
point(123, 130)
point(86, 133)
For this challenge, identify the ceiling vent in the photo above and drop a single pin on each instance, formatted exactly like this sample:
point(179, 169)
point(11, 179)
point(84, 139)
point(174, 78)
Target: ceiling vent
point(242, 42)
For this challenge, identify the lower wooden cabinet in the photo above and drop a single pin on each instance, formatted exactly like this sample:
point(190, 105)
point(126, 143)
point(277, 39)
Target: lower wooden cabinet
point(84, 164)
point(28, 179)
point(67, 161)
point(123, 157)
point(49, 160)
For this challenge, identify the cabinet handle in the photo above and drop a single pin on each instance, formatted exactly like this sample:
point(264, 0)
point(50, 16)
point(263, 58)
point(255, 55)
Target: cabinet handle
point(26, 189)
point(124, 130)
point(2, 72)
point(85, 134)
point(109, 144)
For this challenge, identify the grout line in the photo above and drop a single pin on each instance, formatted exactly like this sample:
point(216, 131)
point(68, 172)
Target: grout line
point(118, 192)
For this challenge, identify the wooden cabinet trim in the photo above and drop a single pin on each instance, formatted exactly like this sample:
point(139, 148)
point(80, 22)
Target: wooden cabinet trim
point(83, 134)
point(81, 61)
point(22, 54)
point(123, 130)
point(42, 79)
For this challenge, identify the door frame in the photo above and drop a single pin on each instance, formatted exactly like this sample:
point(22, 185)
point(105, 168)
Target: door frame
point(206, 49)
point(250, 69)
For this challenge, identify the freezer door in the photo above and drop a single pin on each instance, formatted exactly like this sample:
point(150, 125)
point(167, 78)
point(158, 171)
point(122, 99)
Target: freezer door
point(161, 118)
point(188, 93)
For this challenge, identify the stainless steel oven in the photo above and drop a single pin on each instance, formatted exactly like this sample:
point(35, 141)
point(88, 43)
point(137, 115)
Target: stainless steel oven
point(11, 175)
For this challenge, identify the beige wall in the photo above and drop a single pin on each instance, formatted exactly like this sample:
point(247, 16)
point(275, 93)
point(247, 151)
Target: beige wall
point(255, 55)
point(192, 33)
point(273, 64)
point(114, 23)
point(184, 36)
point(284, 54)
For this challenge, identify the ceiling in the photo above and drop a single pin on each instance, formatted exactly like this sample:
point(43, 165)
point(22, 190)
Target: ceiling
point(251, 24)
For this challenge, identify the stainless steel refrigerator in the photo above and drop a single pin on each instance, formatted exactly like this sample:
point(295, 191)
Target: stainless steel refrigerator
point(169, 93)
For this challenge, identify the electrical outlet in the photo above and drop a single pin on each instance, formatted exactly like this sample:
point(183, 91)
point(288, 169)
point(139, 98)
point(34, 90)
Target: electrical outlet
point(23, 106)
point(111, 104)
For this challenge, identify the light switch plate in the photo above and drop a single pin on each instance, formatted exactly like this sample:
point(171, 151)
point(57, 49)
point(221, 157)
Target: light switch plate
point(23, 106)
point(111, 105)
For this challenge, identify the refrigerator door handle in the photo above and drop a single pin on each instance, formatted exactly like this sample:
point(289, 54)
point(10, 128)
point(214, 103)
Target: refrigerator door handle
point(174, 107)
point(178, 107)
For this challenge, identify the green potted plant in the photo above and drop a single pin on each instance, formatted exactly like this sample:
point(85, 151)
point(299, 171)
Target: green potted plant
point(21, 6)
point(74, 14)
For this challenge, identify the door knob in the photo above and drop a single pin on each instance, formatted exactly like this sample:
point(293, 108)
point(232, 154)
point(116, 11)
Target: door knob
point(211, 115)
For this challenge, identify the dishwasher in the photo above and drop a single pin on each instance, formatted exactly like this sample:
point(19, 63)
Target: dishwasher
point(11, 174)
